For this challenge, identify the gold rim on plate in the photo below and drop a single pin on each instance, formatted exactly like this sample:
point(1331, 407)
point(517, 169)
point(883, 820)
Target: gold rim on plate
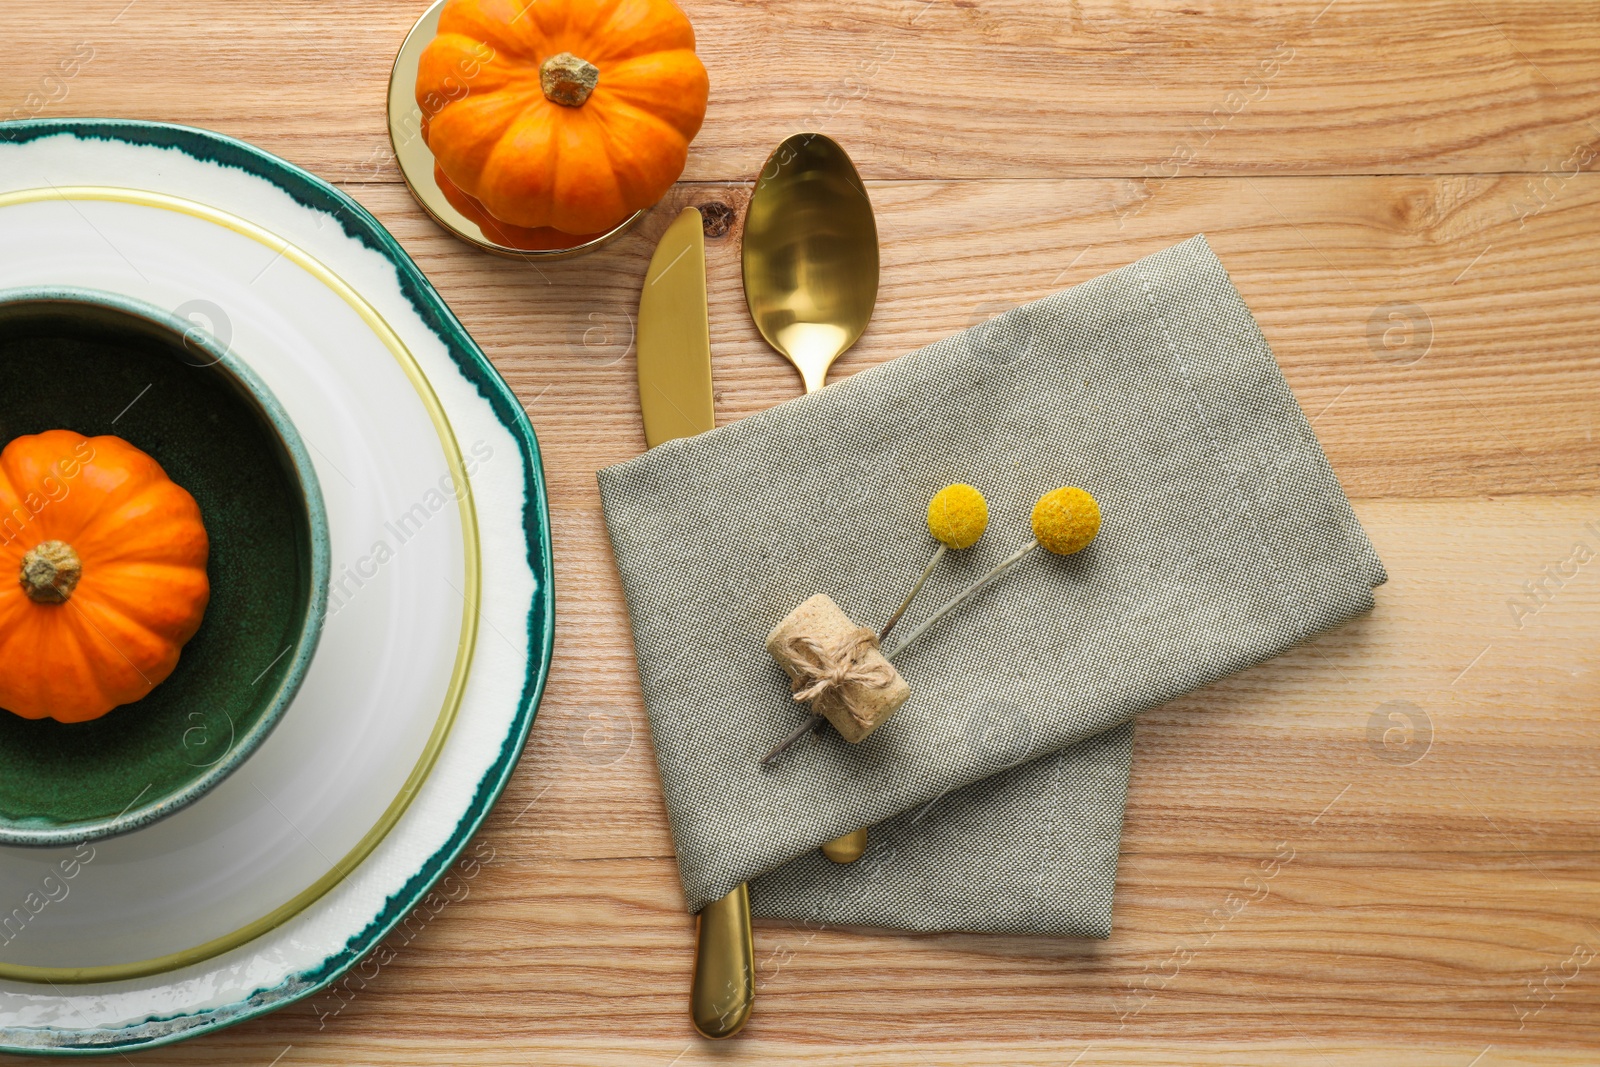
point(469, 621)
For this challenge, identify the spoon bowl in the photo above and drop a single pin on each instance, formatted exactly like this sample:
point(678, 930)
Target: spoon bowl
point(810, 254)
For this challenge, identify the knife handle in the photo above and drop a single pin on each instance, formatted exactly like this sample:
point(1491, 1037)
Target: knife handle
point(724, 989)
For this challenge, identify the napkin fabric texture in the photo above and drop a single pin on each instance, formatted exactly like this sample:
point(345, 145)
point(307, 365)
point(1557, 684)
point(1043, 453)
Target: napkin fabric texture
point(996, 793)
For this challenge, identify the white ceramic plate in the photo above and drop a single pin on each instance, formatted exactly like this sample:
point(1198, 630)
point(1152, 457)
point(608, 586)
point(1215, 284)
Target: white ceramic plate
point(333, 830)
point(374, 692)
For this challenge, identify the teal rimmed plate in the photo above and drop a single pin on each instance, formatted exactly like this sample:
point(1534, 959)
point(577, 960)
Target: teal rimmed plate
point(72, 359)
point(382, 695)
point(282, 267)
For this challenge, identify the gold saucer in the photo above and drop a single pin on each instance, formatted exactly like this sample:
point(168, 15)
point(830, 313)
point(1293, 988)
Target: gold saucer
point(417, 165)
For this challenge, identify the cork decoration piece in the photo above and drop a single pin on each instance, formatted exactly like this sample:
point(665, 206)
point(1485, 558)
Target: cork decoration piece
point(836, 665)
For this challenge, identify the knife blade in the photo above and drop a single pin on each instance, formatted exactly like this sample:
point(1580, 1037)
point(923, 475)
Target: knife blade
point(675, 400)
point(675, 336)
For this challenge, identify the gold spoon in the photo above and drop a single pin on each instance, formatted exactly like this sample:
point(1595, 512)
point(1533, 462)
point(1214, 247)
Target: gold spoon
point(811, 278)
point(810, 254)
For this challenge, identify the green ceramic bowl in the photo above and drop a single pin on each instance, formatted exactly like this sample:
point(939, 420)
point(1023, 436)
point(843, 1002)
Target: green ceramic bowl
point(99, 363)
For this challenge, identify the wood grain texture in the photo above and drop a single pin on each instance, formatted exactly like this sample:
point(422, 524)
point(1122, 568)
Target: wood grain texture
point(1414, 405)
point(954, 88)
point(1381, 848)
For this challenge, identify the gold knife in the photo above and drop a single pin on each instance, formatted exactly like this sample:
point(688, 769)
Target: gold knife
point(675, 400)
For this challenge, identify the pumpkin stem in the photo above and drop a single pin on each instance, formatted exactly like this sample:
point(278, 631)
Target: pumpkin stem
point(50, 572)
point(568, 80)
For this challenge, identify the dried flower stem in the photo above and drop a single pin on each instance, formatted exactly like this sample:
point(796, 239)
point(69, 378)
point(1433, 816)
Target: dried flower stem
point(1064, 521)
point(906, 603)
point(971, 591)
point(815, 720)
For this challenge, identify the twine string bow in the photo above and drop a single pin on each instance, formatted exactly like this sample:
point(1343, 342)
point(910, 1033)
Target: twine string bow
point(837, 669)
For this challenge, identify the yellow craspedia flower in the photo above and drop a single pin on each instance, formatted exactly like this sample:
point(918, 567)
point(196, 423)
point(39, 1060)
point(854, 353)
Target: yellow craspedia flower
point(957, 516)
point(1065, 520)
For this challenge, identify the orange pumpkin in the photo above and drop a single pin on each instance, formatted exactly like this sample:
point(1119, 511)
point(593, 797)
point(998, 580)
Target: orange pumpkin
point(110, 563)
point(542, 239)
point(571, 114)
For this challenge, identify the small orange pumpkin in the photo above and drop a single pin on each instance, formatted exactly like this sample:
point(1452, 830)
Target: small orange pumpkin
point(110, 563)
point(571, 114)
point(542, 239)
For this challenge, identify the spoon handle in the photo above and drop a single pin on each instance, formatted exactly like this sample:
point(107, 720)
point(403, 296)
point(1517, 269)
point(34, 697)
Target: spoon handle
point(810, 222)
point(724, 990)
point(853, 845)
point(847, 849)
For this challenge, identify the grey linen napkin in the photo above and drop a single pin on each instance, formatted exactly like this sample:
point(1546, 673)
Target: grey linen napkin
point(996, 793)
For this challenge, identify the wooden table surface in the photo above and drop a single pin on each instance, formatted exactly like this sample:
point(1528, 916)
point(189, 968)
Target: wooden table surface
point(1403, 192)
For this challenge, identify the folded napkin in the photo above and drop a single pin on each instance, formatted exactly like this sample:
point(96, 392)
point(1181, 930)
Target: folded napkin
point(996, 792)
